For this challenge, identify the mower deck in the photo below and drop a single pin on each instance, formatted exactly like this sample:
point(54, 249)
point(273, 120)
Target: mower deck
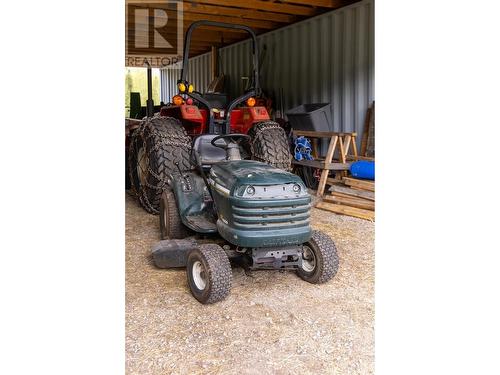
point(174, 254)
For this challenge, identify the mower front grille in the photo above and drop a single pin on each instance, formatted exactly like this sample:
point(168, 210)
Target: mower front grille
point(284, 215)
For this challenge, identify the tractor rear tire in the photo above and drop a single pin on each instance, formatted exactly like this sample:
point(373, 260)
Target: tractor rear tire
point(269, 144)
point(155, 147)
point(320, 261)
point(171, 226)
point(209, 273)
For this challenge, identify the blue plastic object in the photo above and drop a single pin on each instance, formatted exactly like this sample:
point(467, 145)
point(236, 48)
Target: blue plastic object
point(363, 169)
point(302, 149)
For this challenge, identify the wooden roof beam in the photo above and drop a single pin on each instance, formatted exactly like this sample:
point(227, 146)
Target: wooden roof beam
point(318, 3)
point(257, 24)
point(237, 12)
point(299, 10)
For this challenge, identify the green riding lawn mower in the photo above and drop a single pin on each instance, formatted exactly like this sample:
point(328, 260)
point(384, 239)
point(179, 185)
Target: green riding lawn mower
point(225, 196)
point(246, 211)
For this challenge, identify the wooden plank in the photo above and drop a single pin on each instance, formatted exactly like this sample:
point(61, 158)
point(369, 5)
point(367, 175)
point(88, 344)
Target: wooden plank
point(366, 129)
point(347, 145)
point(328, 159)
point(354, 147)
point(347, 196)
point(261, 5)
point(350, 201)
point(172, 28)
point(321, 164)
point(247, 4)
point(353, 192)
point(262, 23)
point(255, 24)
point(244, 13)
point(364, 137)
point(319, 3)
point(322, 182)
point(346, 210)
point(361, 184)
point(334, 181)
point(352, 157)
point(370, 144)
point(341, 150)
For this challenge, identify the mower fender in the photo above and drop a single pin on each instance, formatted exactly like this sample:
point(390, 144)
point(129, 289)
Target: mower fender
point(172, 253)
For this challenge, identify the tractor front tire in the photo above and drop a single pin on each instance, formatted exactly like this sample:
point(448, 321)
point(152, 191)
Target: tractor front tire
point(155, 147)
point(171, 226)
point(209, 273)
point(320, 261)
point(269, 144)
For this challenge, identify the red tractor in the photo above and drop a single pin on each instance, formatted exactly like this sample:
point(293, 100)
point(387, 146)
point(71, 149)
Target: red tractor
point(160, 148)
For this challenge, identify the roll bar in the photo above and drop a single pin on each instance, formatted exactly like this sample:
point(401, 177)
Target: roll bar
point(253, 91)
point(255, 47)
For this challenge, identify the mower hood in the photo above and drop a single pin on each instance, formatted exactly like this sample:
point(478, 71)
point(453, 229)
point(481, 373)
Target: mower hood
point(250, 172)
point(259, 205)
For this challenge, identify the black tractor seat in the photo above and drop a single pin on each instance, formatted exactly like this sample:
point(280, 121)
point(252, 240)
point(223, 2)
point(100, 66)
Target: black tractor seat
point(208, 154)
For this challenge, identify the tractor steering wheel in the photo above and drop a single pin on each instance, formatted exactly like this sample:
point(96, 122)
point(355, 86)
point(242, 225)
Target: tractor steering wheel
point(228, 139)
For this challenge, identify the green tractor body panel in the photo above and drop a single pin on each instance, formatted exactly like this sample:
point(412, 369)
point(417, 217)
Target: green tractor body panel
point(194, 201)
point(273, 215)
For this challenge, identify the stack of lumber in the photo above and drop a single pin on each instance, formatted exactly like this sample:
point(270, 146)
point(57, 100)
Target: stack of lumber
point(351, 196)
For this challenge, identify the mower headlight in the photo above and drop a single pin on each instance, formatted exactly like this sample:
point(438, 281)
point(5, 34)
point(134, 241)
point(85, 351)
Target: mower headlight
point(250, 190)
point(296, 188)
point(190, 88)
point(182, 87)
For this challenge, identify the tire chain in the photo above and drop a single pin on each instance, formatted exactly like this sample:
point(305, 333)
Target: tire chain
point(258, 133)
point(164, 140)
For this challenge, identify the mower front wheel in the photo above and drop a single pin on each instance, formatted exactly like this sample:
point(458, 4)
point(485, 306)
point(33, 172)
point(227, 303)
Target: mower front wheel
point(320, 261)
point(171, 226)
point(209, 273)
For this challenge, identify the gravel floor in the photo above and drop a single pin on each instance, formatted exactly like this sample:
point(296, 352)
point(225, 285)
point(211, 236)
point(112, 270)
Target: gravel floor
point(271, 323)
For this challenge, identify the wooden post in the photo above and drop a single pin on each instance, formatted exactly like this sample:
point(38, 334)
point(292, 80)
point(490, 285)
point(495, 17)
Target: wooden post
point(347, 144)
point(213, 57)
point(354, 148)
point(342, 154)
point(366, 129)
point(328, 159)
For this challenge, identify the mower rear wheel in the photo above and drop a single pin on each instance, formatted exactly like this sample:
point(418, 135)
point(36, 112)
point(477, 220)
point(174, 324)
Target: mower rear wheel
point(209, 273)
point(171, 226)
point(269, 144)
point(320, 261)
point(155, 147)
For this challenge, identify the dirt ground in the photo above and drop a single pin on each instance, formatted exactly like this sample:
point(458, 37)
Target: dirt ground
point(271, 323)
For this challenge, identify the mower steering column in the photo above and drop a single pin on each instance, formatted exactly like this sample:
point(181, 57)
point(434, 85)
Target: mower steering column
point(231, 144)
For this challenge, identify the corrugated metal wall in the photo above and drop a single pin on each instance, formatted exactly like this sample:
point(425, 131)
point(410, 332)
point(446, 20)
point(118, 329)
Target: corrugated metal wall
point(199, 75)
point(329, 58)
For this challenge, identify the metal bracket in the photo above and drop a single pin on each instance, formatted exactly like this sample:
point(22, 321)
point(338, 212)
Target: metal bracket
point(288, 257)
